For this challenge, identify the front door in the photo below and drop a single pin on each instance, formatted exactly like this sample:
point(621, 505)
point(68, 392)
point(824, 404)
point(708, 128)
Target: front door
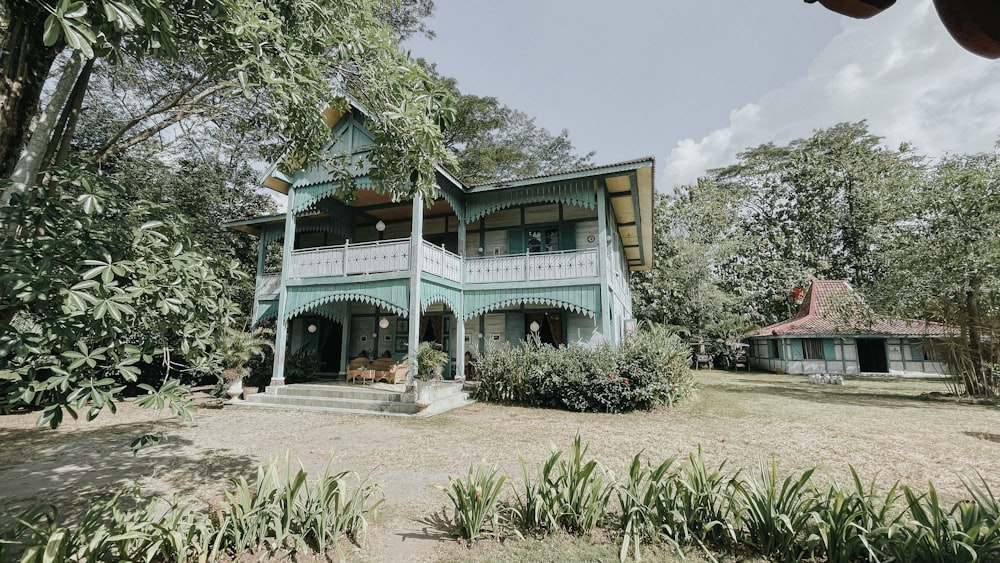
point(871, 355)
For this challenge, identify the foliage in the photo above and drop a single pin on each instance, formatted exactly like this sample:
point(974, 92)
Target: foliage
point(476, 500)
point(685, 505)
point(271, 63)
point(493, 142)
point(852, 525)
point(773, 518)
point(111, 293)
point(651, 368)
point(238, 348)
point(946, 266)
point(567, 493)
point(301, 365)
point(430, 359)
point(285, 513)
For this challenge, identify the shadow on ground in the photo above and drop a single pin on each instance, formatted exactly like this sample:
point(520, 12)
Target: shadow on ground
point(826, 394)
point(73, 469)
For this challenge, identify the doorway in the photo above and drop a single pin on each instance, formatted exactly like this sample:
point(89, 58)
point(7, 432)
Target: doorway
point(549, 327)
point(871, 355)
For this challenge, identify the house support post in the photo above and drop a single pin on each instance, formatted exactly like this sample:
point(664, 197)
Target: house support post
point(602, 260)
point(281, 328)
point(416, 264)
point(460, 310)
point(261, 255)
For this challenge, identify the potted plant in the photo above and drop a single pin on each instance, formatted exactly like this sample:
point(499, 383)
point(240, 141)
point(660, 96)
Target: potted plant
point(236, 350)
point(430, 361)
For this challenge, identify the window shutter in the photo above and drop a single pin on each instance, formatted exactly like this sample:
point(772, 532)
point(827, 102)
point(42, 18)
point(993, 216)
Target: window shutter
point(567, 236)
point(829, 350)
point(515, 241)
point(514, 327)
point(797, 349)
point(917, 351)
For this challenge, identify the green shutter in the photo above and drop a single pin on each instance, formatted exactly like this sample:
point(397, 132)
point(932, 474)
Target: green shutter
point(917, 351)
point(515, 241)
point(567, 236)
point(797, 349)
point(829, 350)
point(514, 327)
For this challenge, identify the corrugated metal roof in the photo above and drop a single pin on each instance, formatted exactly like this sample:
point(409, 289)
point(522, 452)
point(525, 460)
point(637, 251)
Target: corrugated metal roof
point(819, 314)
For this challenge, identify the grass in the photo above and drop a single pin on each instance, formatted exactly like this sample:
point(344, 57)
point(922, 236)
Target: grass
point(878, 426)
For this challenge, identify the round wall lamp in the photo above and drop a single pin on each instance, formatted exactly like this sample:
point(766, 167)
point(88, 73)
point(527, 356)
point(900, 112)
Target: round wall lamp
point(534, 326)
point(383, 322)
point(380, 226)
point(311, 328)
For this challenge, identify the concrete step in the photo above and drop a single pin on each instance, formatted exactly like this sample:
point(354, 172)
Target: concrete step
point(333, 391)
point(358, 399)
point(341, 404)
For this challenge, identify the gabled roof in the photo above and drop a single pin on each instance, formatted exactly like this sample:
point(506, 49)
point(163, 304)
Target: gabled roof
point(833, 307)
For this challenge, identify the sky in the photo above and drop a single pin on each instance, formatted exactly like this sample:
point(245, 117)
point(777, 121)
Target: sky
point(695, 82)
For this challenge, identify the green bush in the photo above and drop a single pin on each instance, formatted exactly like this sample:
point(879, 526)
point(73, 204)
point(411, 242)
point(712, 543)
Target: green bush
point(302, 365)
point(650, 368)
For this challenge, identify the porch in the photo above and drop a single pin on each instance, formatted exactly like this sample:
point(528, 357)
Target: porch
point(351, 260)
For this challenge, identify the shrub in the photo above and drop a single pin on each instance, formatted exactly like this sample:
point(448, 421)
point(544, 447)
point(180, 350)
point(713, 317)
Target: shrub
point(301, 366)
point(649, 369)
point(283, 513)
point(774, 518)
point(476, 500)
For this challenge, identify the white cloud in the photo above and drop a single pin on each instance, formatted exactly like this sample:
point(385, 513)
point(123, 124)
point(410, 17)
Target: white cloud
point(901, 71)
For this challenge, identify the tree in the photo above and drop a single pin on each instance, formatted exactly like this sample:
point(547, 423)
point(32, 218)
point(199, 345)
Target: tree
point(104, 287)
point(493, 142)
point(946, 264)
point(280, 55)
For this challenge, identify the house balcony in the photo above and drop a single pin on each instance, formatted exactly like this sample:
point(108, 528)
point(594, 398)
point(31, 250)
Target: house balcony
point(351, 261)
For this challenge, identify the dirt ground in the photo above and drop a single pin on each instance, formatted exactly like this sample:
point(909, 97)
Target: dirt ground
point(879, 426)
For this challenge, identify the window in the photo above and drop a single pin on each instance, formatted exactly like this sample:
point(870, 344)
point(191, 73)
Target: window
point(773, 349)
point(543, 240)
point(812, 349)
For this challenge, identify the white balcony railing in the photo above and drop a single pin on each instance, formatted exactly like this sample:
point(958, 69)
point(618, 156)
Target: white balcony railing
point(268, 285)
point(351, 259)
point(546, 266)
point(394, 256)
point(440, 262)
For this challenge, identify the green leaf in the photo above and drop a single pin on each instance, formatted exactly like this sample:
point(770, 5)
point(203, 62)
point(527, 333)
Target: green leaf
point(52, 31)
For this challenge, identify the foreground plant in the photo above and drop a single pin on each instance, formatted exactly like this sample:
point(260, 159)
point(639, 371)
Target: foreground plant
point(476, 500)
point(278, 512)
point(773, 518)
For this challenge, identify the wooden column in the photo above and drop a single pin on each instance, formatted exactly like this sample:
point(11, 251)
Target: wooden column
point(602, 261)
point(460, 311)
point(281, 328)
point(261, 255)
point(416, 263)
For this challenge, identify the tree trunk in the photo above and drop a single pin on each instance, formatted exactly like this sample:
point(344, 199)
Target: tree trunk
point(976, 375)
point(26, 170)
point(24, 65)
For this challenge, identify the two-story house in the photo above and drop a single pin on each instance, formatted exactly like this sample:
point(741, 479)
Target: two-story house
point(548, 255)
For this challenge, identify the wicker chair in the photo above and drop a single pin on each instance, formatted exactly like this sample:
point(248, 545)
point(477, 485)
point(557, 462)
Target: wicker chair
point(390, 370)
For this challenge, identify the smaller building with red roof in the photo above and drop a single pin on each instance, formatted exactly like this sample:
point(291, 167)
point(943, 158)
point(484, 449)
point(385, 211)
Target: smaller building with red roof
point(835, 332)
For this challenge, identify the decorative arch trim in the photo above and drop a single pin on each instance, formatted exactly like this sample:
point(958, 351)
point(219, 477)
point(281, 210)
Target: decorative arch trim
point(392, 295)
point(583, 299)
point(572, 192)
point(433, 293)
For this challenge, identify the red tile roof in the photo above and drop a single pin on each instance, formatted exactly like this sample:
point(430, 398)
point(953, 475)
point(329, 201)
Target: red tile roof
point(833, 307)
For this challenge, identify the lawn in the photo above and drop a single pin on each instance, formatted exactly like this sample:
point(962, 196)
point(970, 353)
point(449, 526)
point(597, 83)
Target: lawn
point(880, 426)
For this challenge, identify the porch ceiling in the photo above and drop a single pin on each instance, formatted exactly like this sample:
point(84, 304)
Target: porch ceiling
point(631, 196)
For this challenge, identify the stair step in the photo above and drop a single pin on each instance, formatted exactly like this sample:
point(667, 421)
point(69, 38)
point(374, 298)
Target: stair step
point(356, 399)
point(334, 403)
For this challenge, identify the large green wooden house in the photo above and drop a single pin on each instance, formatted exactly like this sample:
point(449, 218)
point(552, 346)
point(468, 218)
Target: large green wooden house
point(480, 265)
